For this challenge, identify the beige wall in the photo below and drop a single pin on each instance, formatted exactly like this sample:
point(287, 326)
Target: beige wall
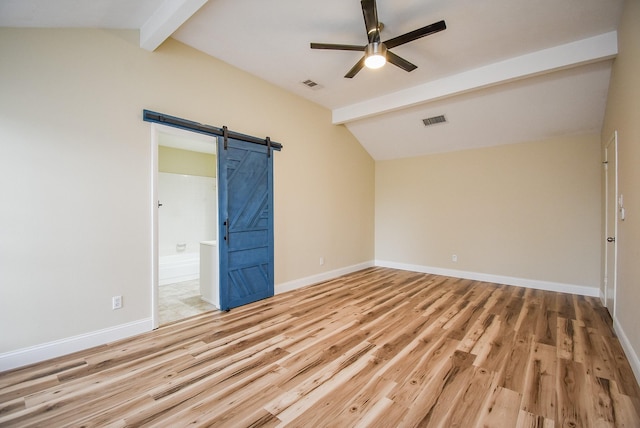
point(528, 210)
point(178, 161)
point(623, 115)
point(76, 174)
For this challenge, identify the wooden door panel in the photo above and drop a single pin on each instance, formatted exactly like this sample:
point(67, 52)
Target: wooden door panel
point(246, 201)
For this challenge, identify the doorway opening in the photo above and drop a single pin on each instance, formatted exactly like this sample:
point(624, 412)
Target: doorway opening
point(243, 271)
point(186, 224)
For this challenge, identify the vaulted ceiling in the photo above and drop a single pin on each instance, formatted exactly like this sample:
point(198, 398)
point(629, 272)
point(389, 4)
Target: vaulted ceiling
point(504, 71)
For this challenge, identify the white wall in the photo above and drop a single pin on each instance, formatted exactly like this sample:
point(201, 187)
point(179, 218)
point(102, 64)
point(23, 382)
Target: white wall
point(188, 213)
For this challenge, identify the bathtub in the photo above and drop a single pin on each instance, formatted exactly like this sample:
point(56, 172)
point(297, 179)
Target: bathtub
point(178, 268)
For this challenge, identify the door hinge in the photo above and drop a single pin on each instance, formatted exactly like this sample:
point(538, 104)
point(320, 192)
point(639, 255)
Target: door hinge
point(225, 136)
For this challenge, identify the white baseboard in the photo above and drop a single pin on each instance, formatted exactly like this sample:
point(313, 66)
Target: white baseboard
point(57, 348)
point(634, 361)
point(498, 279)
point(34, 354)
point(324, 276)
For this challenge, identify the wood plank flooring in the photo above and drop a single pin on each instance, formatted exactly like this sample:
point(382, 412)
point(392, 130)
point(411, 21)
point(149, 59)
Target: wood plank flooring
point(379, 347)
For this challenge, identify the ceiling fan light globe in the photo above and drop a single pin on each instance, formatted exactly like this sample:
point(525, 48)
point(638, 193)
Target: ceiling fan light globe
point(375, 55)
point(375, 61)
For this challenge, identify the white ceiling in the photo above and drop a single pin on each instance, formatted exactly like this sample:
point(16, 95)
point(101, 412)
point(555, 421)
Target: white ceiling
point(504, 71)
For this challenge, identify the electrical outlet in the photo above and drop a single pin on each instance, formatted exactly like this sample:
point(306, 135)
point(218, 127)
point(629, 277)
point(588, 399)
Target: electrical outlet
point(321, 261)
point(116, 302)
point(454, 258)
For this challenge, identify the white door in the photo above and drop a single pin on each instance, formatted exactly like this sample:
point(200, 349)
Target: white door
point(611, 222)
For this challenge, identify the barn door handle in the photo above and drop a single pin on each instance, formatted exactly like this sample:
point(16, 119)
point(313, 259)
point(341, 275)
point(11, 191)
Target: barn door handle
point(611, 239)
point(226, 231)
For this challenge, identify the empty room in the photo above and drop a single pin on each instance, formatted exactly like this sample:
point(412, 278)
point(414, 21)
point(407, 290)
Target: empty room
point(341, 213)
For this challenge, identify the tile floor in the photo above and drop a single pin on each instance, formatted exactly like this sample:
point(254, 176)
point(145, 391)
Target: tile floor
point(181, 300)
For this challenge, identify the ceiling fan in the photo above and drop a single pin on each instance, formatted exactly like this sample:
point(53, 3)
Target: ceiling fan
point(376, 53)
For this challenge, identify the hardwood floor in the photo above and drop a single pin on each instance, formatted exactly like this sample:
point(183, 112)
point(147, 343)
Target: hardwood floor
point(379, 347)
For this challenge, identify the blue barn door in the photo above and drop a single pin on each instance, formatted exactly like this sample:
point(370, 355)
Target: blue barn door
point(245, 197)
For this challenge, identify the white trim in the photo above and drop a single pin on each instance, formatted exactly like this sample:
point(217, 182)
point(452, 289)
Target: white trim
point(155, 268)
point(324, 276)
point(45, 351)
point(634, 361)
point(57, 348)
point(166, 20)
point(499, 279)
point(608, 277)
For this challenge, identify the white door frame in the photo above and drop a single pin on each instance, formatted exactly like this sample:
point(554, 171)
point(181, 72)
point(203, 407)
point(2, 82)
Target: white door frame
point(610, 272)
point(155, 319)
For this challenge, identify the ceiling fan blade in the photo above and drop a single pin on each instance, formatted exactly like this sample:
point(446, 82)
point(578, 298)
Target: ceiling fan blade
point(415, 34)
point(370, 13)
point(336, 47)
point(354, 70)
point(400, 62)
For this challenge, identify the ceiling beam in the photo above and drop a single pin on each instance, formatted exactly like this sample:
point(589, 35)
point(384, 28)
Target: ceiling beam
point(166, 20)
point(590, 50)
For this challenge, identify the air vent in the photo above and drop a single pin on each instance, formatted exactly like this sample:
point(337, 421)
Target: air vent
point(434, 120)
point(311, 84)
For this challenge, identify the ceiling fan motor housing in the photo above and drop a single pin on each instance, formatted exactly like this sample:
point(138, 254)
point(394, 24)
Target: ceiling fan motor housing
point(375, 55)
